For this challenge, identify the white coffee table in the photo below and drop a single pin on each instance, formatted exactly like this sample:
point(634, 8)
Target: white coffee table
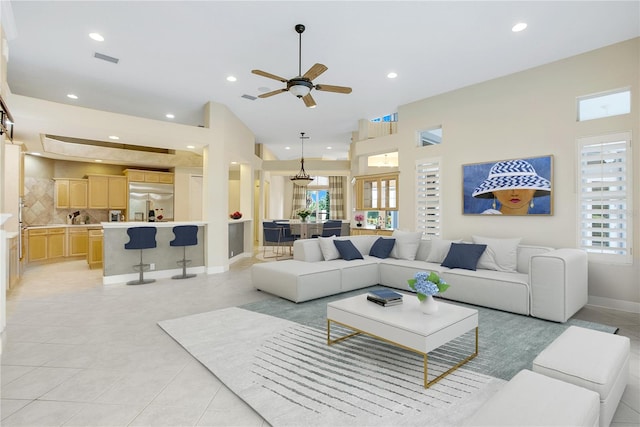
point(404, 325)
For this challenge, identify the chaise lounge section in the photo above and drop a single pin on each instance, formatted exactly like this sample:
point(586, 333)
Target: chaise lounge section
point(539, 281)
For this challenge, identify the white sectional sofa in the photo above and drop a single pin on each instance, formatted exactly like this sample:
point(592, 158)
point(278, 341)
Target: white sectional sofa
point(542, 282)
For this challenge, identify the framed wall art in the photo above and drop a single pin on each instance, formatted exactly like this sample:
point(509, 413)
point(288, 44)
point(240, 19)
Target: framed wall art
point(509, 187)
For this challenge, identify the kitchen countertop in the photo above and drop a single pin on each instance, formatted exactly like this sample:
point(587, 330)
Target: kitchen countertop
point(128, 224)
point(34, 227)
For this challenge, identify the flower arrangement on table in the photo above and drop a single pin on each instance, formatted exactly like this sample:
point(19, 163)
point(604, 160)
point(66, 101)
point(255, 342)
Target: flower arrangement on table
point(359, 218)
point(427, 285)
point(235, 215)
point(303, 213)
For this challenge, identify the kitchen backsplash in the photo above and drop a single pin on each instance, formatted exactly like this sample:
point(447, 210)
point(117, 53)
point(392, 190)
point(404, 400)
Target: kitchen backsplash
point(40, 207)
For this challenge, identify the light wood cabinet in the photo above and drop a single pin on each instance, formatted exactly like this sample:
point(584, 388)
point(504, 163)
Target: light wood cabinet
point(370, 231)
point(37, 246)
point(78, 241)
point(135, 175)
point(94, 256)
point(46, 243)
point(107, 192)
point(55, 243)
point(377, 192)
point(118, 192)
point(71, 193)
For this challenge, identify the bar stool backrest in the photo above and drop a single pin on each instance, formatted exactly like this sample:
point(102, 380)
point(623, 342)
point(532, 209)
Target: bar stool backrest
point(141, 238)
point(185, 235)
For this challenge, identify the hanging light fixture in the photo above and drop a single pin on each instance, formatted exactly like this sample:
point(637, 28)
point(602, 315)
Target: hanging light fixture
point(302, 178)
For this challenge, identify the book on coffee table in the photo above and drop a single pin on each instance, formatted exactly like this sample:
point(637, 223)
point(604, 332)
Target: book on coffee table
point(383, 303)
point(385, 297)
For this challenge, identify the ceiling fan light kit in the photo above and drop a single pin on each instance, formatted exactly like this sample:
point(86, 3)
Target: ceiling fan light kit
point(301, 85)
point(302, 178)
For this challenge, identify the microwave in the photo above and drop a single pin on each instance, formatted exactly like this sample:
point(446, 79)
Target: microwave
point(115, 216)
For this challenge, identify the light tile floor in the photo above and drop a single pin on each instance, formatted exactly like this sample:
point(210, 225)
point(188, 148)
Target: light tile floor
point(76, 353)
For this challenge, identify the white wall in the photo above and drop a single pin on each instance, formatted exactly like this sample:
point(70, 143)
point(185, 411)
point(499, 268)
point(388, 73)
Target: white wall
point(527, 114)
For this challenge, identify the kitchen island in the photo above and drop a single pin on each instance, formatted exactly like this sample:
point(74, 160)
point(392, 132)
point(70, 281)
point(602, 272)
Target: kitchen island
point(118, 262)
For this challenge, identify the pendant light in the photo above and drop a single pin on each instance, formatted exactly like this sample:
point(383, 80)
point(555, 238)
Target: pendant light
point(302, 178)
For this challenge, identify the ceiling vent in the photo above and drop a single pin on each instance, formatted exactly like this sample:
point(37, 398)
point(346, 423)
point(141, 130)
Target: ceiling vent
point(249, 97)
point(105, 57)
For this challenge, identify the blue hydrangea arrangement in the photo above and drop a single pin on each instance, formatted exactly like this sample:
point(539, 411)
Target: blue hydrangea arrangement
point(427, 284)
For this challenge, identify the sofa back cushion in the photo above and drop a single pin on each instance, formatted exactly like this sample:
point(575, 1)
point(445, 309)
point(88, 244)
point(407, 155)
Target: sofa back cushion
point(407, 243)
point(500, 255)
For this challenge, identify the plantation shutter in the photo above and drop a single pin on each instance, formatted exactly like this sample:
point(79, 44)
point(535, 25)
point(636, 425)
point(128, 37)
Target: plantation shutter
point(428, 197)
point(605, 196)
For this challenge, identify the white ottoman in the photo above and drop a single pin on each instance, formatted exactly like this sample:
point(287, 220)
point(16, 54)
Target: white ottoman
point(591, 359)
point(531, 399)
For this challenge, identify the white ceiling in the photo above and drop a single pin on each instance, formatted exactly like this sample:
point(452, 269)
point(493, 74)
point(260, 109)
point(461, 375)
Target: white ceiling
point(175, 56)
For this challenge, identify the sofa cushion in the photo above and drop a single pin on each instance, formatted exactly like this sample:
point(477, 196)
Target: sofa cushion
point(439, 249)
point(347, 250)
point(382, 247)
point(329, 250)
point(463, 255)
point(407, 243)
point(500, 255)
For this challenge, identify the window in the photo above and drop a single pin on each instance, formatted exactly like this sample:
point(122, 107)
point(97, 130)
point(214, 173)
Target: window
point(605, 204)
point(431, 136)
point(388, 118)
point(318, 198)
point(428, 197)
point(609, 104)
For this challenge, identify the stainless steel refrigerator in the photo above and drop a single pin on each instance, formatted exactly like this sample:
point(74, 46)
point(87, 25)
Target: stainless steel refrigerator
point(146, 197)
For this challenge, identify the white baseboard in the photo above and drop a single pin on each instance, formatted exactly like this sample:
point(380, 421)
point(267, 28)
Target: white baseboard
point(615, 304)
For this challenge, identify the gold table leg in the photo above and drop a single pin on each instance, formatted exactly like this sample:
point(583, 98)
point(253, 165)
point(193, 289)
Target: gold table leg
point(427, 383)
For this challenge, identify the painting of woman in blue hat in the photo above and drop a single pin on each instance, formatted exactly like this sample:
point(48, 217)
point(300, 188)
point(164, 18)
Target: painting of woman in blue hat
point(510, 187)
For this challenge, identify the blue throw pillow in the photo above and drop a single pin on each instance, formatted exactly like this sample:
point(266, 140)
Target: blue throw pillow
point(463, 255)
point(382, 247)
point(347, 250)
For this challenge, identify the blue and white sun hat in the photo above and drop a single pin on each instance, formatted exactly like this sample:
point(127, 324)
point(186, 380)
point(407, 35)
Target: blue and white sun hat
point(512, 174)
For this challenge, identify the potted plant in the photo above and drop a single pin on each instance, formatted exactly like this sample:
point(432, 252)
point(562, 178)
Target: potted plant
point(426, 286)
point(359, 218)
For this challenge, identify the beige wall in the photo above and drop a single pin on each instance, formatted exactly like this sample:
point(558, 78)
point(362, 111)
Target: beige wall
point(527, 114)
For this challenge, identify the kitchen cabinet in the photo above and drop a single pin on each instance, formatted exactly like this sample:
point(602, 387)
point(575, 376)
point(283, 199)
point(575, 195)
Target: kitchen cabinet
point(94, 255)
point(136, 175)
point(71, 193)
point(107, 192)
point(377, 192)
point(78, 241)
point(371, 231)
point(14, 262)
point(46, 243)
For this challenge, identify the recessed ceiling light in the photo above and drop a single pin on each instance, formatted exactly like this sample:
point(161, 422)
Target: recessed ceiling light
point(114, 137)
point(234, 163)
point(519, 27)
point(191, 147)
point(72, 96)
point(36, 154)
point(98, 161)
point(170, 116)
point(287, 148)
point(392, 75)
point(97, 37)
point(329, 148)
point(231, 79)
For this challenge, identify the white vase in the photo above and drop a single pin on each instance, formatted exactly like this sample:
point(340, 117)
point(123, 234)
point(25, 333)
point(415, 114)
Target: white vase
point(429, 305)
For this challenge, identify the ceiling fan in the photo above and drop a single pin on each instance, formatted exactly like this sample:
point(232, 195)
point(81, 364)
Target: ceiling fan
point(302, 84)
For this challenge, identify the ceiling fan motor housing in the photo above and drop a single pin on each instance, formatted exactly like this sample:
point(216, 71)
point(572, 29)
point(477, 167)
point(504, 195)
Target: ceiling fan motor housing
point(297, 86)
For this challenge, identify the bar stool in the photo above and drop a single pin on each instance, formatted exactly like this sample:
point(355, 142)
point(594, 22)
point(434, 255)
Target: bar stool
point(185, 235)
point(141, 238)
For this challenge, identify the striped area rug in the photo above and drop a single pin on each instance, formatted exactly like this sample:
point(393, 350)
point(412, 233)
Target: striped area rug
point(291, 377)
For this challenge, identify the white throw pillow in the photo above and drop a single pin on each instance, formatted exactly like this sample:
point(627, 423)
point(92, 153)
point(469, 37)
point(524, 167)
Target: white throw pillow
point(500, 255)
point(328, 248)
point(439, 249)
point(407, 243)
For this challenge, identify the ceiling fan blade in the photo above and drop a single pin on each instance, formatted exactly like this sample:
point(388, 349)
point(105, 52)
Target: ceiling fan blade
point(315, 71)
point(330, 88)
point(309, 101)
point(269, 75)
point(274, 92)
